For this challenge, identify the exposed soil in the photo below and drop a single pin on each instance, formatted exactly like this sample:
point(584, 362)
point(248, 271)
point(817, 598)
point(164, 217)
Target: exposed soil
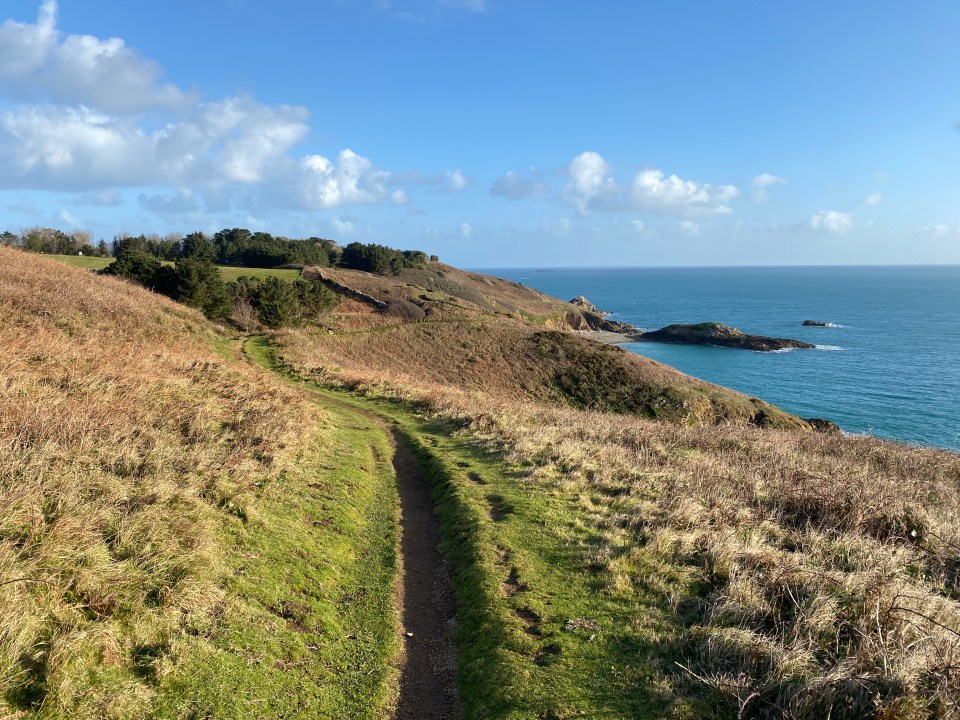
point(428, 680)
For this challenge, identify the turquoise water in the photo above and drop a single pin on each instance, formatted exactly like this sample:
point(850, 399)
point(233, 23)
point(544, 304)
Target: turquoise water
point(891, 368)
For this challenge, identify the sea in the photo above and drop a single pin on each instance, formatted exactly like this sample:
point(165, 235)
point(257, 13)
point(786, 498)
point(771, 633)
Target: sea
point(888, 364)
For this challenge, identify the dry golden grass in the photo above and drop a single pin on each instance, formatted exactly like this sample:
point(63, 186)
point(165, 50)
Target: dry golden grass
point(124, 443)
point(504, 357)
point(815, 575)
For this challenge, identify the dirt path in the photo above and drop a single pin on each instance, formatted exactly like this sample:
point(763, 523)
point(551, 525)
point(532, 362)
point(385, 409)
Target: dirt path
point(428, 681)
point(425, 595)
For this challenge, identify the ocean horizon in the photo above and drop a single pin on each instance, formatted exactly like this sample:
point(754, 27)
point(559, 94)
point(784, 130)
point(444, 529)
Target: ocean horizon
point(888, 365)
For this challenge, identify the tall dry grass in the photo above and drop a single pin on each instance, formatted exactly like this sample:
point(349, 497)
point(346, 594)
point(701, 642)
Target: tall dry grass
point(125, 443)
point(811, 575)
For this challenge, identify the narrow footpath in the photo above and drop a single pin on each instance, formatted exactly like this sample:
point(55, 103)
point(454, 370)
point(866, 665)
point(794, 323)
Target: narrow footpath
point(428, 681)
point(428, 687)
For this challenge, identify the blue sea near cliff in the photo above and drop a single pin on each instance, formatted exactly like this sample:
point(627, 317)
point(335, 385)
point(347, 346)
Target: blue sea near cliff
point(891, 367)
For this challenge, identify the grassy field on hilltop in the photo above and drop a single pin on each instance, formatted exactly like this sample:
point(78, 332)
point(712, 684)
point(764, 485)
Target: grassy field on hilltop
point(182, 535)
point(227, 272)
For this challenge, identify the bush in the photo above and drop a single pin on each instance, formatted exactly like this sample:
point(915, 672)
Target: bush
point(135, 265)
point(380, 259)
point(197, 283)
point(404, 310)
point(277, 303)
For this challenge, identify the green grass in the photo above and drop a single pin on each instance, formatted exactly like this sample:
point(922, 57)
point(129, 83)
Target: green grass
point(87, 263)
point(309, 629)
point(227, 272)
point(538, 637)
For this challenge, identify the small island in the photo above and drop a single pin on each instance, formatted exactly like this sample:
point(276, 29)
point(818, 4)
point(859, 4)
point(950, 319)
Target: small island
point(711, 333)
point(816, 323)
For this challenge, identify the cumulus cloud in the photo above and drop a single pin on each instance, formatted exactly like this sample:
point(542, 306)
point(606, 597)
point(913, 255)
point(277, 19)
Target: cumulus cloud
point(651, 190)
point(761, 185)
point(74, 121)
point(638, 226)
point(832, 221)
point(466, 229)
point(352, 180)
point(38, 62)
point(593, 187)
point(688, 227)
point(515, 186)
point(874, 199)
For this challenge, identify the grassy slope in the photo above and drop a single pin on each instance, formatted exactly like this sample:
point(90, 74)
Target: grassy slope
point(517, 553)
point(504, 357)
point(721, 571)
point(228, 272)
point(182, 535)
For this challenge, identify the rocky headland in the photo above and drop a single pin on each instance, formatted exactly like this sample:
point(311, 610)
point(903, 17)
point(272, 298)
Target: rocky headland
point(711, 333)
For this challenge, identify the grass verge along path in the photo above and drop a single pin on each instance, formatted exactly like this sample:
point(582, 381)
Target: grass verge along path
point(312, 632)
point(538, 636)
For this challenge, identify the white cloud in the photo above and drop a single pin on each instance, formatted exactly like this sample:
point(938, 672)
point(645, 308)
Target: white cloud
point(466, 229)
point(761, 185)
point(651, 190)
point(37, 62)
point(874, 199)
point(69, 218)
point(832, 221)
point(590, 173)
point(73, 120)
point(515, 186)
point(690, 228)
point(353, 180)
point(457, 180)
point(638, 226)
point(593, 187)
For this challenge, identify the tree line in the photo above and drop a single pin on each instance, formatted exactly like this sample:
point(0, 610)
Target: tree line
point(235, 246)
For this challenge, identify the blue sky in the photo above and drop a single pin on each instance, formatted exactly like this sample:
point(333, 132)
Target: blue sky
point(494, 132)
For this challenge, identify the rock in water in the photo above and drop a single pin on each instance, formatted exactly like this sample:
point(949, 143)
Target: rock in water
point(815, 323)
point(711, 333)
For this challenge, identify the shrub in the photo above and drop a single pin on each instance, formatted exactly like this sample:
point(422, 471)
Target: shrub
point(404, 310)
point(135, 265)
point(277, 303)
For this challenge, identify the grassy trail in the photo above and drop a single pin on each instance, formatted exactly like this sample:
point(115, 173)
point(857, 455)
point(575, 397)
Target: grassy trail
point(317, 636)
point(538, 637)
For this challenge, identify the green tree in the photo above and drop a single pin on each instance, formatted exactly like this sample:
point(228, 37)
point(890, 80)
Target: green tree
point(199, 285)
point(278, 303)
point(135, 265)
point(198, 246)
point(315, 298)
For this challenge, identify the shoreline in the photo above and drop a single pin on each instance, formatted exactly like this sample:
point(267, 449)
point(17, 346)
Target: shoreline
point(607, 337)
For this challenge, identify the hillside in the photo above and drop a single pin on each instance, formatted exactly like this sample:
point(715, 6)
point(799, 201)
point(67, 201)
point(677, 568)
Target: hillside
point(187, 535)
point(154, 494)
point(484, 334)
